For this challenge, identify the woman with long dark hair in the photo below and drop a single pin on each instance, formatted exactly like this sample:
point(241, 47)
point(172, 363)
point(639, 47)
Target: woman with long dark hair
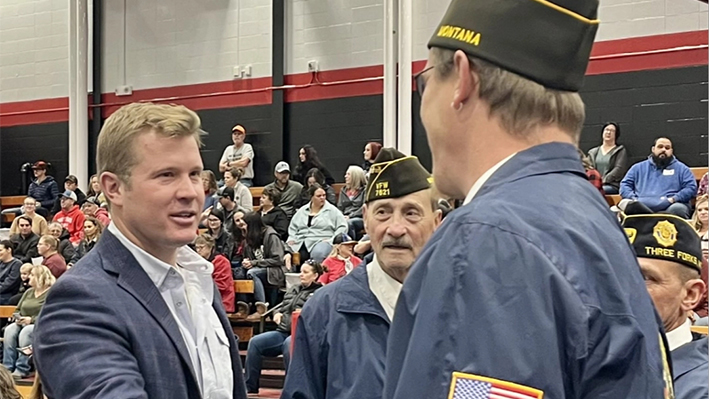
point(92, 233)
point(263, 261)
point(314, 176)
point(308, 159)
point(610, 159)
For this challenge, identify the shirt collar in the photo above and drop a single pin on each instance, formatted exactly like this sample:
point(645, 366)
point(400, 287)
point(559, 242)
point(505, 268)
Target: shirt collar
point(484, 178)
point(156, 269)
point(680, 335)
point(383, 286)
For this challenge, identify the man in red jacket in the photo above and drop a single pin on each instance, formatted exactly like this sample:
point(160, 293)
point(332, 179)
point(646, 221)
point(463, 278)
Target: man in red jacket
point(92, 207)
point(71, 217)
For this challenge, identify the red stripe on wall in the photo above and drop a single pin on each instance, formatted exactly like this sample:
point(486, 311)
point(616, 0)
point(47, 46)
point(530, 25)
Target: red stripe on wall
point(614, 56)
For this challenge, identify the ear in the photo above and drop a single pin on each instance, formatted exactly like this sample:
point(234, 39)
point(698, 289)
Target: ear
point(438, 215)
point(467, 80)
point(112, 188)
point(694, 294)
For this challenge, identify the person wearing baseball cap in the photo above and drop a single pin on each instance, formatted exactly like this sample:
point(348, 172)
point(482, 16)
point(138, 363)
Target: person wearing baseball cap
point(516, 293)
point(44, 188)
point(71, 217)
point(289, 189)
point(239, 155)
point(340, 342)
point(341, 260)
point(71, 183)
point(670, 255)
point(92, 207)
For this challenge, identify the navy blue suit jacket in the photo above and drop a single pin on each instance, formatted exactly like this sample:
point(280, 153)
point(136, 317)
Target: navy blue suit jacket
point(106, 332)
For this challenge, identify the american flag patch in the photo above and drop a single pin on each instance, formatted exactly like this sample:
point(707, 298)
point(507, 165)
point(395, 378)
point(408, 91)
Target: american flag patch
point(469, 386)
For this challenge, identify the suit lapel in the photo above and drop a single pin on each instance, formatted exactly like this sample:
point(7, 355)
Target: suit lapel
point(132, 278)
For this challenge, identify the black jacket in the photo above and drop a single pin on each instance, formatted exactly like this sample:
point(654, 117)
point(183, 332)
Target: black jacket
point(223, 244)
point(65, 248)
point(25, 247)
point(295, 298)
point(277, 219)
point(617, 165)
point(82, 249)
point(10, 277)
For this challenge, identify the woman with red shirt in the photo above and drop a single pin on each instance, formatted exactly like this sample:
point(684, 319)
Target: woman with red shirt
point(204, 245)
point(341, 260)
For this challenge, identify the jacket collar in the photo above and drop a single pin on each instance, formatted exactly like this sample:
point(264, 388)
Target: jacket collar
point(539, 160)
point(117, 260)
point(689, 356)
point(355, 296)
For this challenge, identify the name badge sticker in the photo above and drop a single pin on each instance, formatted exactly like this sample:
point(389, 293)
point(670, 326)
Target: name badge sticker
point(668, 172)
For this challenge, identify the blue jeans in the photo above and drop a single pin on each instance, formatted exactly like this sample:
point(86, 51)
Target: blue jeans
point(321, 251)
point(271, 344)
point(679, 209)
point(260, 277)
point(355, 225)
point(17, 336)
point(247, 182)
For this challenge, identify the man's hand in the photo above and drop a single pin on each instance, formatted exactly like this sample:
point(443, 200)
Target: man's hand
point(24, 321)
point(277, 318)
point(671, 200)
point(246, 264)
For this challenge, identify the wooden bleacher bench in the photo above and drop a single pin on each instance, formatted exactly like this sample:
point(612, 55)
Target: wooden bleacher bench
point(6, 312)
point(700, 330)
point(243, 286)
point(242, 329)
point(11, 202)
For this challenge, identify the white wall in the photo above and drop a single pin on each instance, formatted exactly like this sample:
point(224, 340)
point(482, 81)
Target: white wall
point(34, 49)
point(180, 42)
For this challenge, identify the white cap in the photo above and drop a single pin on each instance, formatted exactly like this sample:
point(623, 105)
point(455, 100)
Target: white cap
point(282, 167)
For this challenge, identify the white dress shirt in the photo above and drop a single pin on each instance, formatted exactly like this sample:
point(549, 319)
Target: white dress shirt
point(383, 286)
point(484, 178)
point(680, 335)
point(188, 291)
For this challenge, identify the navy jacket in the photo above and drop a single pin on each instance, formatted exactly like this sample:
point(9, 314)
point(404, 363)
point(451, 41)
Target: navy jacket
point(691, 370)
point(45, 192)
point(340, 343)
point(10, 277)
point(652, 185)
point(106, 332)
point(534, 283)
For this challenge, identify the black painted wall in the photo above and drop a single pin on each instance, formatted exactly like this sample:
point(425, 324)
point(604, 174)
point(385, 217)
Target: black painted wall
point(337, 128)
point(256, 120)
point(21, 144)
point(647, 104)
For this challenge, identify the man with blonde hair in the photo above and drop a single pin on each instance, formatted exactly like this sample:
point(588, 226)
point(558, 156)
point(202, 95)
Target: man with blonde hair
point(146, 320)
point(518, 294)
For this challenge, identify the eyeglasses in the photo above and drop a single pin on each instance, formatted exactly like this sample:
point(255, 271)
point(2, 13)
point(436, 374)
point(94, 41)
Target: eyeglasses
point(420, 81)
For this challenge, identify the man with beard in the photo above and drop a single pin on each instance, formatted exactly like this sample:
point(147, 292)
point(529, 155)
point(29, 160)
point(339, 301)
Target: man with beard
point(661, 182)
point(341, 338)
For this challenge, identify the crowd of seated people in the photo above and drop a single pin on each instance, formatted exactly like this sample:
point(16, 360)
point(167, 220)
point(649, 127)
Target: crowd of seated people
point(18, 334)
